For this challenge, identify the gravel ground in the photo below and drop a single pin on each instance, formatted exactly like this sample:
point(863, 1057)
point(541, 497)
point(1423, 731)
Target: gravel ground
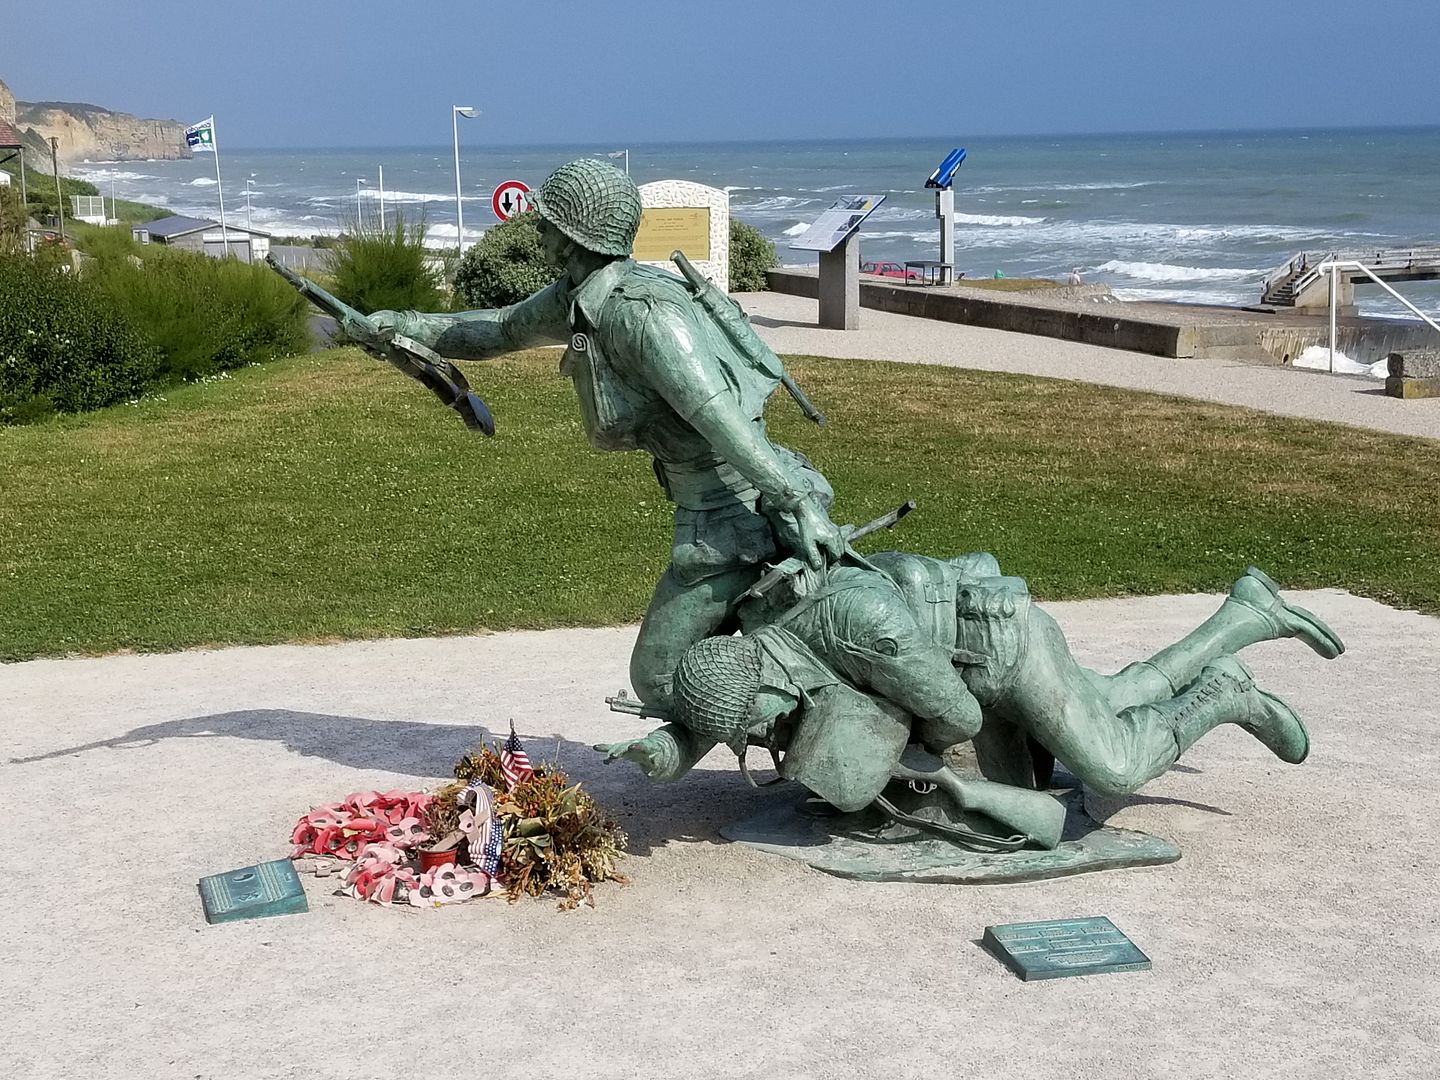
point(787, 323)
point(1297, 936)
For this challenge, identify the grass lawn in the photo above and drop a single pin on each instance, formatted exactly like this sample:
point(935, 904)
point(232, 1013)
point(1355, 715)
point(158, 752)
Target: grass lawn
point(327, 497)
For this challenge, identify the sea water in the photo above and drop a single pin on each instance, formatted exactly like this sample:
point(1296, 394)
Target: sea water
point(1195, 217)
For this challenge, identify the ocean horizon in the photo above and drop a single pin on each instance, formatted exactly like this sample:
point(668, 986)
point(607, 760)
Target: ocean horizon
point(1190, 216)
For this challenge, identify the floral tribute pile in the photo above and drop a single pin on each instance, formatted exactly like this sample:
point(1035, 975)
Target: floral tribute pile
point(500, 824)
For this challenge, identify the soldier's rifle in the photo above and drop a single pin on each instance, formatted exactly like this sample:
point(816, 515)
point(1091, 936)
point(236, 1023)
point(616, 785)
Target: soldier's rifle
point(421, 363)
point(788, 568)
point(737, 328)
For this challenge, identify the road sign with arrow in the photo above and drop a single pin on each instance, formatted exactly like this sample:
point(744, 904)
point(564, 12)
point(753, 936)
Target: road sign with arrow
point(511, 197)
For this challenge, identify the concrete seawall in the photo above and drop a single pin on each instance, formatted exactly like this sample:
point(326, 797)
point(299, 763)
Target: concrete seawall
point(1170, 330)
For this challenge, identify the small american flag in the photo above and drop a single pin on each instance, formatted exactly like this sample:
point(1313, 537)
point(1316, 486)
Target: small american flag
point(491, 833)
point(514, 762)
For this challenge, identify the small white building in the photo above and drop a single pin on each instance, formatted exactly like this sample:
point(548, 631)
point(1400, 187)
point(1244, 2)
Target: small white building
point(198, 234)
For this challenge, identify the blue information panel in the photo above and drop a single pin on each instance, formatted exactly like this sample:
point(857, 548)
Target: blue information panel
point(833, 227)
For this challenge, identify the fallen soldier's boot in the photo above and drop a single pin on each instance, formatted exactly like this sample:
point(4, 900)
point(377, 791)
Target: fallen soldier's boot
point(1257, 590)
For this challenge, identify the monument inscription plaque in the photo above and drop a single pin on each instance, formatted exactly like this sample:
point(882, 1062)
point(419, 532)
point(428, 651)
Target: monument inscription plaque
point(1057, 948)
point(253, 892)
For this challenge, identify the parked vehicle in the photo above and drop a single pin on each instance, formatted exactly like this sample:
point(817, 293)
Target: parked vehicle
point(890, 269)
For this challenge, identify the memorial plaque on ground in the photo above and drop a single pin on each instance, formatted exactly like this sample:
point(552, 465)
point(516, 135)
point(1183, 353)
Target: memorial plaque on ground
point(834, 226)
point(1057, 948)
point(271, 888)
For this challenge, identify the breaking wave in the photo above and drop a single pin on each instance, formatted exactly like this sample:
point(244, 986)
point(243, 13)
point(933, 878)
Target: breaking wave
point(998, 220)
point(1147, 271)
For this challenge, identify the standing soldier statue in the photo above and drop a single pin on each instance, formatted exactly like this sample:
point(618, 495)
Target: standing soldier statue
point(658, 366)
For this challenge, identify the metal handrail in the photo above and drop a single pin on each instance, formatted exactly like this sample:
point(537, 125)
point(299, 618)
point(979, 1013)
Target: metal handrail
point(1312, 272)
point(1333, 267)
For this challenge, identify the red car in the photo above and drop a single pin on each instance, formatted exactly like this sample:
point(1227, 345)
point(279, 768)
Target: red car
point(889, 269)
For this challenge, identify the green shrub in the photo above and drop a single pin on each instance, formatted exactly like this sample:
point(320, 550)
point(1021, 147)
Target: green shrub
point(505, 265)
point(750, 256)
point(40, 190)
point(12, 222)
point(204, 314)
point(63, 346)
point(374, 268)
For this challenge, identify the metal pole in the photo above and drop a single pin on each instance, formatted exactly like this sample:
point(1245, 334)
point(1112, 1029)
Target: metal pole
point(219, 187)
point(248, 182)
point(627, 161)
point(459, 209)
point(382, 198)
point(59, 195)
point(457, 111)
point(1333, 291)
point(358, 182)
point(24, 193)
point(114, 210)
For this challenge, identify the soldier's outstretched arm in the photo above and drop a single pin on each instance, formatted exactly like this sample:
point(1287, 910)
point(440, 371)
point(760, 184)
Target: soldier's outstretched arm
point(692, 384)
point(666, 754)
point(540, 319)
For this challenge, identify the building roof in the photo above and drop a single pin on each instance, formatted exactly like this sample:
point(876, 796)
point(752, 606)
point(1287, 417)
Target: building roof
point(176, 225)
point(9, 137)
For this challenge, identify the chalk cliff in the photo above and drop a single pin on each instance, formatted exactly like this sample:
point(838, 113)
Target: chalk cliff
point(91, 132)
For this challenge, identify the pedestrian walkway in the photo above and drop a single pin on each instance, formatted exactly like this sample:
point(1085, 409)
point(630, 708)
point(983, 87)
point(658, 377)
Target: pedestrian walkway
point(1301, 913)
point(787, 323)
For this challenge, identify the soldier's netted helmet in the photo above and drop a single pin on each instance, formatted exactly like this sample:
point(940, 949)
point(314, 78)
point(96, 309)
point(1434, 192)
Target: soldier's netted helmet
point(715, 686)
point(593, 203)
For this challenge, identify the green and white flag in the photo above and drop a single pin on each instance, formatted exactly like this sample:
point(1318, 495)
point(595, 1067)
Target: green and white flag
point(201, 136)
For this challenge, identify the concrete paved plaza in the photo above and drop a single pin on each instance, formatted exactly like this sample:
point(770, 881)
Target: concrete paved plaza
point(1297, 937)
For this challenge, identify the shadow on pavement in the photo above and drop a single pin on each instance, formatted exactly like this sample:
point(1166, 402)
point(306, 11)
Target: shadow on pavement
point(690, 810)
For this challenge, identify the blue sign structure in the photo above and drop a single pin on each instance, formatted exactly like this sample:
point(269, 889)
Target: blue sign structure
point(945, 174)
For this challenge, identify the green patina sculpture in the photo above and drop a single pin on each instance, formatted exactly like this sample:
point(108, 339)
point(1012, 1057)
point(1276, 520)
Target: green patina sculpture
point(658, 365)
point(859, 675)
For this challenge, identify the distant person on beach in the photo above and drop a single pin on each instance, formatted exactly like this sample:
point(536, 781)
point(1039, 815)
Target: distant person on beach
point(1075, 277)
point(655, 371)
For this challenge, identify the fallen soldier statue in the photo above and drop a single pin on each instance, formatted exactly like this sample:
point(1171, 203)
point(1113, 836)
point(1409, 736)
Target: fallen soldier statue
point(859, 676)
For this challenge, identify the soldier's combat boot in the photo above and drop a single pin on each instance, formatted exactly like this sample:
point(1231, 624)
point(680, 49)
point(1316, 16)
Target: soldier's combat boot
point(1253, 612)
point(1257, 590)
point(1226, 693)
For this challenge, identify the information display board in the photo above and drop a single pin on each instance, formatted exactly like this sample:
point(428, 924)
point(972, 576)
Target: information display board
point(833, 227)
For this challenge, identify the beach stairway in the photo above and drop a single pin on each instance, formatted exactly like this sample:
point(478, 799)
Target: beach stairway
point(1300, 283)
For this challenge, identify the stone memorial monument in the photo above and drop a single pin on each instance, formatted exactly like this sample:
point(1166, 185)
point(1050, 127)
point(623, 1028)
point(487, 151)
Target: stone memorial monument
point(679, 215)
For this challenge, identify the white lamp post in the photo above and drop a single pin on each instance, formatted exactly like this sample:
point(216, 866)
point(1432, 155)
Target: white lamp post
point(249, 184)
point(358, 183)
point(469, 112)
point(382, 198)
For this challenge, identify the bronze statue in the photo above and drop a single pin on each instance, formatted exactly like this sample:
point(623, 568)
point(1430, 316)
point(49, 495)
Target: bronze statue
point(656, 368)
point(840, 675)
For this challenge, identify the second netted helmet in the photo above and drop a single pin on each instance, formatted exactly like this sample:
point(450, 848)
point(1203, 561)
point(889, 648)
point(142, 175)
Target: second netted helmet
point(715, 686)
point(593, 203)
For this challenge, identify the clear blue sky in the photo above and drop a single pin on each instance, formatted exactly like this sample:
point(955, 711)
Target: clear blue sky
point(318, 73)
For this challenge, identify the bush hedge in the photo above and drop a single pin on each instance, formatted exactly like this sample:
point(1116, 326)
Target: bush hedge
point(505, 266)
point(374, 268)
point(750, 256)
point(205, 315)
point(63, 345)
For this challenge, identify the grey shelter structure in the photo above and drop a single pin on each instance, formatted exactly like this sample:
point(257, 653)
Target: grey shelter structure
point(199, 234)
